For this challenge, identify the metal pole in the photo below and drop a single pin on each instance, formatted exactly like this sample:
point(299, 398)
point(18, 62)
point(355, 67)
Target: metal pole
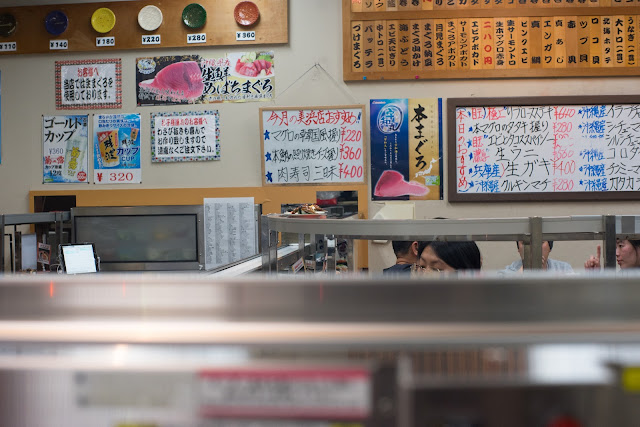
point(609, 241)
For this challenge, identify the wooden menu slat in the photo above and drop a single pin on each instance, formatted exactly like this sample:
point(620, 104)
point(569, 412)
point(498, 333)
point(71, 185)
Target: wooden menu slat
point(618, 38)
point(404, 35)
point(511, 54)
point(524, 60)
point(392, 45)
point(488, 54)
point(595, 40)
point(571, 41)
point(631, 41)
point(451, 43)
point(427, 44)
point(548, 46)
point(380, 42)
point(439, 53)
point(464, 51)
point(368, 45)
point(415, 30)
point(559, 39)
point(535, 45)
point(607, 42)
point(476, 52)
point(501, 39)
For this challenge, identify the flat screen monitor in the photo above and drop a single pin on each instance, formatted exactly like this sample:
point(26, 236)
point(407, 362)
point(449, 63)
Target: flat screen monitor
point(77, 259)
point(141, 238)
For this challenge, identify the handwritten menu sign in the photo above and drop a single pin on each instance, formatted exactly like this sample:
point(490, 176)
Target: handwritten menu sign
point(313, 145)
point(544, 148)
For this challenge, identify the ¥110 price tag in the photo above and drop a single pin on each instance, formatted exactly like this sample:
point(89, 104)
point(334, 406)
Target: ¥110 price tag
point(58, 44)
point(151, 39)
point(105, 41)
point(8, 47)
point(245, 35)
point(197, 38)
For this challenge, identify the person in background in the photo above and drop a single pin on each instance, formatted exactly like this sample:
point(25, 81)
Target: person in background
point(406, 255)
point(548, 264)
point(448, 256)
point(627, 255)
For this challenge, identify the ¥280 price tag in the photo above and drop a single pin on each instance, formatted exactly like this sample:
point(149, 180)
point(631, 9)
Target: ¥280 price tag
point(197, 38)
point(105, 41)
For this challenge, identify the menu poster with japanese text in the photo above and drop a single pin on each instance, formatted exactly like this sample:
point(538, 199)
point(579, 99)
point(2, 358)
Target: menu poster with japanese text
point(229, 230)
point(65, 143)
point(116, 149)
point(83, 84)
point(315, 145)
point(185, 136)
point(406, 147)
point(193, 79)
point(566, 150)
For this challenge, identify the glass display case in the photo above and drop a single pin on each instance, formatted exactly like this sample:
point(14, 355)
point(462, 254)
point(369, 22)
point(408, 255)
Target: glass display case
point(160, 349)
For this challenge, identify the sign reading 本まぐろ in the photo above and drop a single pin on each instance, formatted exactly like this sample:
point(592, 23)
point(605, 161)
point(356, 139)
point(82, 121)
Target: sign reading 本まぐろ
point(313, 145)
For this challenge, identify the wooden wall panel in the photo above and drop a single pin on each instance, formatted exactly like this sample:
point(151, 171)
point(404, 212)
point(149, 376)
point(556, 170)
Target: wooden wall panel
point(32, 37)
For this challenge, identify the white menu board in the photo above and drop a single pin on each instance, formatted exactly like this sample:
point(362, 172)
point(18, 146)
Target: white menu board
point(313, 145)
point(229, 230)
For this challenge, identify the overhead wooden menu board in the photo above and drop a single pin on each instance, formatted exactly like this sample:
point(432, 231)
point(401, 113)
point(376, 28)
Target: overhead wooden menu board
point(313, 145)
point(220, 27)
point(451, 39)
point(543, 148)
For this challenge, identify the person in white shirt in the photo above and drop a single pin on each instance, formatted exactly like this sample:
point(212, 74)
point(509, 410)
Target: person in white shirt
point(547, 263)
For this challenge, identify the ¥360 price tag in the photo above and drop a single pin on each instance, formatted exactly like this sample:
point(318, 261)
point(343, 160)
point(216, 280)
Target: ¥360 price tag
point(245, 35)
point(58, 44)
point(105, 41)
point(197, 38)
point(8, 47)
point(153, 39)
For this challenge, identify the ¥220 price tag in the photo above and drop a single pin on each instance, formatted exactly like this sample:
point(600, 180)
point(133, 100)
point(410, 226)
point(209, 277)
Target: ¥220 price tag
point(152, 39)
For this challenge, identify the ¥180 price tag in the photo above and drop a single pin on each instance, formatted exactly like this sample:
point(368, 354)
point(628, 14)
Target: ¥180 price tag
point(151, 39)
point(245, 35)
point(58, 44)
point(8, 47)
point(197, 38)
point(105, 41)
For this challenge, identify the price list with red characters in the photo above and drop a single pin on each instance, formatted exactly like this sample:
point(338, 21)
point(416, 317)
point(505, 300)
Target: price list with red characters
point(319, 145)
point(582, 148)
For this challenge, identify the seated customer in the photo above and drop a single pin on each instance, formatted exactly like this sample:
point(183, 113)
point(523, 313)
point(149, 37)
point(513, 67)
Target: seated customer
point(449, 256)
point(627, 255)
point(547, 263)
point(406, 255)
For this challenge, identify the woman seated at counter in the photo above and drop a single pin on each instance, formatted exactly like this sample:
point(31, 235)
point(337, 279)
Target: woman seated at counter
point(437, 256)
point(627, 255)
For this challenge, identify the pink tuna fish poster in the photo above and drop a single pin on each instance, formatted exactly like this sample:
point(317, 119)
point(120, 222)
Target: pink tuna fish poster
point(406, 149)
point(193, 79)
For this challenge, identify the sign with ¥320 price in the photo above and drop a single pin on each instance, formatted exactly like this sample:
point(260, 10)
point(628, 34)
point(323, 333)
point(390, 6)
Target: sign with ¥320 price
point(116, 149)
point(313, 145)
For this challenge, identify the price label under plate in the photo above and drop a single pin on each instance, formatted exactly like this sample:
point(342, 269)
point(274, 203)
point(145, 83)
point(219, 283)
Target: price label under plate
point(245, 35)
point(154, 39)
point(105, 41)
point(8, 46)
point(58, 44)
point(197, 38)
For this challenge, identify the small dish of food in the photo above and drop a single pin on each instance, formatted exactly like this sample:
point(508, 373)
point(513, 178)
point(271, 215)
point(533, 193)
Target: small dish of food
point(307, 211)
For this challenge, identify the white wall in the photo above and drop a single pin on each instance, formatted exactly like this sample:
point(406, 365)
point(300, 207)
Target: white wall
point(314, 38)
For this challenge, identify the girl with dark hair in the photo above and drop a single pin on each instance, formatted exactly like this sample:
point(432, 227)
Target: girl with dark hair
point(449, 256)
point(627, 255)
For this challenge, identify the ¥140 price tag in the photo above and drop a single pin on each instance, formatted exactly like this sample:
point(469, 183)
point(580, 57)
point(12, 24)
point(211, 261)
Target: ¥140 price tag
point(58, 44)
point(8, 47)
point(105, 41)
point(197, 38)
point(153, 39)
point(245, 35)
